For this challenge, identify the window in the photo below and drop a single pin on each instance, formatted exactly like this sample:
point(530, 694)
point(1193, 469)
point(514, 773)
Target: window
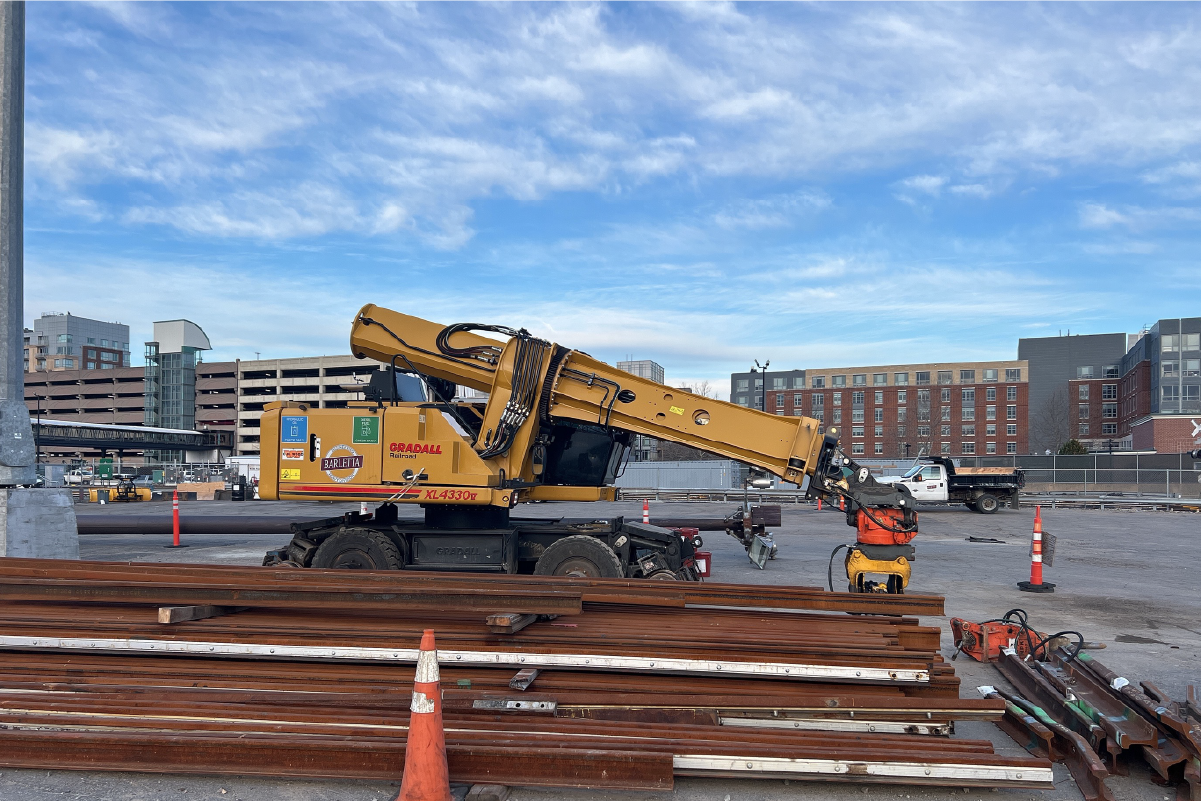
point(1169, 393)
point(990, 447)
point(1011, 393)
point(990, 375)
point(990, 430)
point(900, 431)
point(879, 431)
point(856, 398)
point(840, 381)
point(857, 448)
point(741, 400)
point(1013, 374)
point(923, 415)
point(923, 377)
point(946, 431)
point(900, 379)
point(1109, 392)
point(744, 384)
point(819, 416)
point(1084, 372)
point(968, 413)
point(879, 415)
point(901, 413)
point(64, 338)
point(969, 396)
point(1192, 367)
point(1011, 447)
point(105, 356)
point(878, 448)
point(837, 398)
point(859, 380)
point(967, 376)
point(856, 431)
point(1084, 429)
point(969, 447)
point(1109, 411)
point(1083, 392)
point(902, 396)
point(990, 394)
point(819, 382)
point(92, 341)
point(1192, 342)
point(879, 379)
point(778, 383)
point(1011, 412)
point(1082, 411)
point(879, 396)
point(946, 413)
point(758, 383)
point(1011, 430)
point(944, 448)
point(990, 412)
point(1168, 343)
point(837, 416)
point(944, 376)
point(923, 431)
point(946, 396)
point(856, 415)
point(796, 399)
point(1109, 429)
point(780, 400)
point(1170, 368)
point(923, 396)
point(969, 431)
point(1109, 371)
point(818, 400)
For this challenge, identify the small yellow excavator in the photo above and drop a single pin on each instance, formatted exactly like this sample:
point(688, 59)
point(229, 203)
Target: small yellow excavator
point(554, 427)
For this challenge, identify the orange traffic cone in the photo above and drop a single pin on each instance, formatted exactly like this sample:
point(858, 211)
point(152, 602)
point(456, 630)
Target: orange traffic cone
point(1036, 584)
point(646, 511)
point(426, 777)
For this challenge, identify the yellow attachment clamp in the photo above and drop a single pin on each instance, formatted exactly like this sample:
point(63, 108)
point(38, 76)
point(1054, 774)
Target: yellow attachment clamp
point(859, 564)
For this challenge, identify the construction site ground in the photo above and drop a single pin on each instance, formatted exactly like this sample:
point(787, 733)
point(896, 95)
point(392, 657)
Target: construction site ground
point(1125, 579)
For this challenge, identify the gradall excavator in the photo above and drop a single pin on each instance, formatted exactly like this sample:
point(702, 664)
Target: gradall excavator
point(555, 427)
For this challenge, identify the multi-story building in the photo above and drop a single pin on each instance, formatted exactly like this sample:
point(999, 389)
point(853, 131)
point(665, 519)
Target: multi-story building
point(1160, 393)
point(1073, 388)
point(958, 409)
point(171, 373)
point(114, 396)
point(644, 449)
point(746, 389)
point(67, 342)
point(321, 381)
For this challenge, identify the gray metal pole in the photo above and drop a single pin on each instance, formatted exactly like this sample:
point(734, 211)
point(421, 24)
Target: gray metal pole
point(16, 433)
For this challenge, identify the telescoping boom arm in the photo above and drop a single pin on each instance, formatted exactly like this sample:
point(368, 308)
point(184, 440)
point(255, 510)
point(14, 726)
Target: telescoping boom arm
point(532, 383)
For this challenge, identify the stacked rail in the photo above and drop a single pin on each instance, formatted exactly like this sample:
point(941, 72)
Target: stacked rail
point(554, 682)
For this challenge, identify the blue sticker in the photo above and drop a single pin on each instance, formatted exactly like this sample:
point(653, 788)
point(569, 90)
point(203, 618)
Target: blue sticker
point(294, 429)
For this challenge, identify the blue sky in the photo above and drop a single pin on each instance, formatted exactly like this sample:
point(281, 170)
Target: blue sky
point(703, 185)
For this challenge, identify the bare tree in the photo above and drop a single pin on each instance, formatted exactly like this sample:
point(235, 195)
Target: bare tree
point(1052, 423)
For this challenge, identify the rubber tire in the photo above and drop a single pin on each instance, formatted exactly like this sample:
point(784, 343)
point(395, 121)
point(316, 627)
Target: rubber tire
point(358, 549)
point(663, 575)
point(987, 504)
point(579, 555)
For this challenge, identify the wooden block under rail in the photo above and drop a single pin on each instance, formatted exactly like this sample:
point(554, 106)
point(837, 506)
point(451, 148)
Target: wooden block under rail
point(179, 614)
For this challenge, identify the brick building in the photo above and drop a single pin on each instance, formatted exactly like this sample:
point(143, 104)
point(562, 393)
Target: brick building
point(898, 411)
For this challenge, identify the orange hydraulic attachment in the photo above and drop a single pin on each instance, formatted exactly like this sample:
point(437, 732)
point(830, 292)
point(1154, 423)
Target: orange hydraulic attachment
point(872, 533)
point(984, 641)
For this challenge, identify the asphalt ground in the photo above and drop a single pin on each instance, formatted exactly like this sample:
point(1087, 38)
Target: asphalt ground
point(1125, 579)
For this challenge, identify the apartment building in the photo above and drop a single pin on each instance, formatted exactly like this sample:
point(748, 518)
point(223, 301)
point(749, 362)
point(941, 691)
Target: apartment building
point(67, 342)
point(955, 409)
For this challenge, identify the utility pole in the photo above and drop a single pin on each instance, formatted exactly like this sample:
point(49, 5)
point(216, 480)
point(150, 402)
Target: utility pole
point(37, 523)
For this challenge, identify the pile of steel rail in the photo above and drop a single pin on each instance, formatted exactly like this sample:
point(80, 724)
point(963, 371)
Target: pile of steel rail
point(555, 682)
point(1075, 710)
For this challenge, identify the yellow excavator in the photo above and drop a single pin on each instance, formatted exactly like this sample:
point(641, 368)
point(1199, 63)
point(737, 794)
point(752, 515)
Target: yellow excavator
point(555, 426)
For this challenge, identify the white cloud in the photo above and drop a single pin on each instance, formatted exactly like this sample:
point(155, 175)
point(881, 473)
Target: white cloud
point(780, 211)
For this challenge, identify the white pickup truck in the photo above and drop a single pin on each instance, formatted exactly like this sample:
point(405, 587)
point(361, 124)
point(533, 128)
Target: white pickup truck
point(981, 489)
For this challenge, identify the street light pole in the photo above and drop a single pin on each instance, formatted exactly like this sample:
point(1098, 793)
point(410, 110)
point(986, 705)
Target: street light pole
point(763, 369)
